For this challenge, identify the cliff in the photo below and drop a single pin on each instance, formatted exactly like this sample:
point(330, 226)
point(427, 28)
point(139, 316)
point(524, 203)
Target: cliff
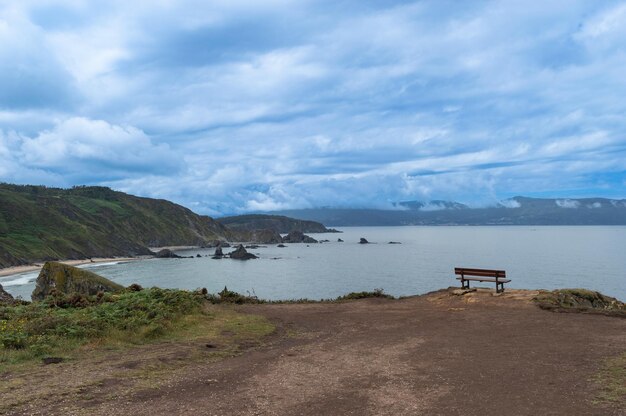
point(40, 224)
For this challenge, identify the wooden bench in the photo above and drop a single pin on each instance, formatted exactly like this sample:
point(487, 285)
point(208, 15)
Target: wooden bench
point(481, 275)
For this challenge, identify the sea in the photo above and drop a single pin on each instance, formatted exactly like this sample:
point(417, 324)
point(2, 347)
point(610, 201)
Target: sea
point(541, 257)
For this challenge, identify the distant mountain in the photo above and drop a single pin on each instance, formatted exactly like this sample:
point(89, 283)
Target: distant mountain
point(278, 223)
point(39, 223)
point(435, 205)
point(514, 211)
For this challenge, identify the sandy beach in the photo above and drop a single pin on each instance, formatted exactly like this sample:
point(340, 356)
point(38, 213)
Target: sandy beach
point(7, 271)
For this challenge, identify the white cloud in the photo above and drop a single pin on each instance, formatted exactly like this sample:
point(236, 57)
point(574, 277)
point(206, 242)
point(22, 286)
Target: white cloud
point(567, 203)
point(82, 147)
point(510, 203)
point(238, 105)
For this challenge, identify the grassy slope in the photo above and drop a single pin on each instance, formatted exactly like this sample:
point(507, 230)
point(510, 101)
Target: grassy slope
point(38, 224)
point(278, 223)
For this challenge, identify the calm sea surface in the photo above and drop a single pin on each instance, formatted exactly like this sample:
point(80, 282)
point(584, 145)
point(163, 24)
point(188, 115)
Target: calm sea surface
point(533, 257)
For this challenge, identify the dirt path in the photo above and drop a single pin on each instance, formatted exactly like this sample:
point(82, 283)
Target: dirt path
point(432, 355)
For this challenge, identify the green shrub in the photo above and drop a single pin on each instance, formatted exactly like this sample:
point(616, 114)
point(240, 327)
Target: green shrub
point(376, 293)
point(144, 314)
point(228, 296)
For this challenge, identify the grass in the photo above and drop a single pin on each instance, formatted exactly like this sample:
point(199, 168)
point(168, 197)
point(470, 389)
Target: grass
point(95, 206)
point(62, 324)
point(612, 381)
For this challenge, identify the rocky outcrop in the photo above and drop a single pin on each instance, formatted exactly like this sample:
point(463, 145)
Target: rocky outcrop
point(363, 241)
point(167, 254)
point(217, 243)
point(241, 254)
point(580, 300)
point(5, 297)
point(218, 253)
point(68, 279)
point(266, 236)
point(298, 237)
point(339, 240)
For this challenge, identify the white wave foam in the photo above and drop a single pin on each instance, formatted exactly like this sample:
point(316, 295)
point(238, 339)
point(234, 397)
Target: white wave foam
point(19, 279)
point(91, 265)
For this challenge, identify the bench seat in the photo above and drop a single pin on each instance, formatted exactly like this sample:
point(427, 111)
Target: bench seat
point(482, 279)
point(481, 275)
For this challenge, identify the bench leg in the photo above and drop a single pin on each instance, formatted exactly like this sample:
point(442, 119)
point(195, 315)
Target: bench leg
point(499, 287)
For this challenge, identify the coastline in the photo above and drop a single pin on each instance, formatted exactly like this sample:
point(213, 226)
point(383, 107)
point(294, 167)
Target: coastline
point(8, 271)
point(173, 248)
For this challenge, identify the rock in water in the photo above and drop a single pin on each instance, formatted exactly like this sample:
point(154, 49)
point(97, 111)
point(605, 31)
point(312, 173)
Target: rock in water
point(363, 241)
point(241, 254)
point(5, 297)
point(68, 279)
point(298, 237)
point(339, 240)
point(167, 254)
point(218, 253)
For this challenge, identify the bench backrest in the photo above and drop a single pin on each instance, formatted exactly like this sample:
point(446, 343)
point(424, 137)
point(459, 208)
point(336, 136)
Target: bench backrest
point(479, 272)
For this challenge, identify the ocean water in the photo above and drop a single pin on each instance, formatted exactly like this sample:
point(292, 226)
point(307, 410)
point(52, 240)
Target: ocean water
point(534, 257)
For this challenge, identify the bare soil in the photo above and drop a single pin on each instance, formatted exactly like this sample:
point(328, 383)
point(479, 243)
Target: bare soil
point(437, 354)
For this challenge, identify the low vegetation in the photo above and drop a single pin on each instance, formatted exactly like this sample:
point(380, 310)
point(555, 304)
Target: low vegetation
point(62, 323)
point(580, 300)
point(376, 293)
point(612, 380)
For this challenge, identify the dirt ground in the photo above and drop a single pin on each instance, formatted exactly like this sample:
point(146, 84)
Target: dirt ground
point(437, 354)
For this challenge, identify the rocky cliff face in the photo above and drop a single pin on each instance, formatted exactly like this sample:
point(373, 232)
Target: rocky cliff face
point(4, 296)
point(69, 279)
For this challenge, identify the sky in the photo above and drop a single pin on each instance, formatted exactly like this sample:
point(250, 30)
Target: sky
point(232, 106)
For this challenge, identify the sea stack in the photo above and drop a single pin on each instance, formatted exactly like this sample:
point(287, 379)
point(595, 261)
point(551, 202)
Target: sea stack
point(363, 241)
point(218, 253)
point(241, 254)
point(68, 279)
point(298, 237)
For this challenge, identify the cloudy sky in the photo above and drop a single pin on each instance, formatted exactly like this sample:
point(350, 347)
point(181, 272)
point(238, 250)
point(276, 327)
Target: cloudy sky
point(229, 106)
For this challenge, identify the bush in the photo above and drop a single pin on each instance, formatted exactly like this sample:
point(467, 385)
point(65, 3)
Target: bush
point(228, 296)
point(376, 293)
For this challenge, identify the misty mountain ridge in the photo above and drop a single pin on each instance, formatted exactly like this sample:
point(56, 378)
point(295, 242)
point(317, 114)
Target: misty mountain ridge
point(518, 210)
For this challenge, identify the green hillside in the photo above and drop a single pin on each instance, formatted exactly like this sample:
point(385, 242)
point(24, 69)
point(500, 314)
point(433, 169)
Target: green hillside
point(39, 223)
point(278, 223)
